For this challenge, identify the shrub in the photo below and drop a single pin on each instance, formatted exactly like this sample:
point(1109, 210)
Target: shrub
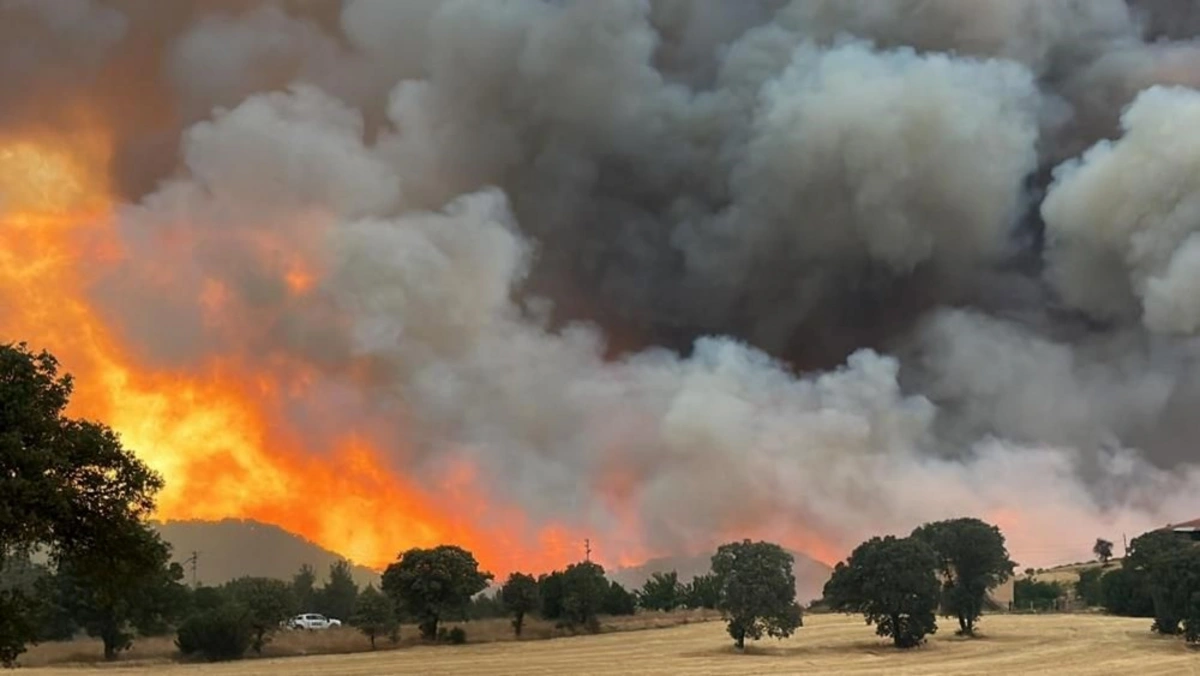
point(222, 633)
point(457, 636)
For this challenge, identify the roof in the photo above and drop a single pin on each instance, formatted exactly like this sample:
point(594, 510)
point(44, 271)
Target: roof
point(1192, 525)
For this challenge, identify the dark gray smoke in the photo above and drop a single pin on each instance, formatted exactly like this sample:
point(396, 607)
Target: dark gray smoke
point(816, 269)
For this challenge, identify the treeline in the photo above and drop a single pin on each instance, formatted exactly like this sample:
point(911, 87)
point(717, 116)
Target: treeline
point(1159, 578)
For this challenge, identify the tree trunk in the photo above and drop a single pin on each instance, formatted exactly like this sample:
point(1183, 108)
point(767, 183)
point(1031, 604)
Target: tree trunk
point(518, 622)
point(739, 641)
point(371, 636)
point(429, 627)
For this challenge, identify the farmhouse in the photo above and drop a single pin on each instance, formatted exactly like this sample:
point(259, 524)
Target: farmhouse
point(1189, 529)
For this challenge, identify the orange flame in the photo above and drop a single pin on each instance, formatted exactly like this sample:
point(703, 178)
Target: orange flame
point(217, 431)
point(209, 431)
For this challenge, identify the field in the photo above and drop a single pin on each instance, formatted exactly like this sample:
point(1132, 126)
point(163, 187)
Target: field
point(1013, 644)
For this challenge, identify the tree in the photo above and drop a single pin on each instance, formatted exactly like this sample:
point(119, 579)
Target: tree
point(757, 590)
point(16, 625)
point(303, 583)
point(1124, 594)
point(432, 583)
point(337, 597)
point(519, 596)
point(704, 591)
point(64, 483)
point(550, 591)
point(1103, 549)
point(375, 615)
point(891, 581)
point(219, 633)
point(972, 559)
point(662, 592)
point(1036, 595)
point(584, 589)
point(618, 600)
point(126, 582)
point(1090, 588)
point(266, 603)
point(1148, 558)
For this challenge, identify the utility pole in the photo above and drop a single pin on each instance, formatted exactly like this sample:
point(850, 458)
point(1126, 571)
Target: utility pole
point(587, 549)
point(192, 560)
point(1125, 544)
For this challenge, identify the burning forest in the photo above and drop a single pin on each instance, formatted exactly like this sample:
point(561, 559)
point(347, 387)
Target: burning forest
point(656, 273)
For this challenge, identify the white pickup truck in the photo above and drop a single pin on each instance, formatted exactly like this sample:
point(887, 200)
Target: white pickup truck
point(312, 621)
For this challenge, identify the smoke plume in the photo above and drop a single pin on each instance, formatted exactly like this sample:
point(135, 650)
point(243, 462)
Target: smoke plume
point(669, 272)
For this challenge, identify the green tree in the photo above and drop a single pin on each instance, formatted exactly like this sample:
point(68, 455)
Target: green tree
point(704, 591)
point(126, 583)
point(1103, 549)
point(432, 583)
point(1124, 594)
point(64, 483)
point(662, 591)
point(757, 590)
point(550, 591)
point(1090, 588)
point(17, 625)
point(891, 581)
point(337, 597)
point(584, 589)
point(972, 559)
point(267, 602)
point(375, 614)
point(1032, 594)
point(1148, 558)
point(520, 597)
point(219, 633)
point(618, 600)
point(303, 588)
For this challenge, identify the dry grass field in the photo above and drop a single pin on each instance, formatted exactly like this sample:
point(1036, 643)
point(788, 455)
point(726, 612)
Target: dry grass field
point(1014, 644)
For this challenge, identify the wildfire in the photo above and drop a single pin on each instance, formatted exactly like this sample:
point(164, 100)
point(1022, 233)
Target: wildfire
point(214, 432)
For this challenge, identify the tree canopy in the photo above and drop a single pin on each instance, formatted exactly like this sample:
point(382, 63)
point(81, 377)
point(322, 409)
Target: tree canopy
point(67, 487)
point(520, 597)
point(972, 558)
point(757, 590)
point(127, 583)
point(432, 583)
point(661, 591)
point(1149, 560)
point(891, 582)
point(266, 602)
point(375, 615)
point(337, 597)
point(1103, 549)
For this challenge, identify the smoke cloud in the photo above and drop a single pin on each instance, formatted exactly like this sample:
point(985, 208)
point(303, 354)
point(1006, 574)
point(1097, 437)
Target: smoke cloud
point(673, 271)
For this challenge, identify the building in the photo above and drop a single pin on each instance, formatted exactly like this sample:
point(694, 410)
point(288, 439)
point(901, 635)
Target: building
point(1189, 529)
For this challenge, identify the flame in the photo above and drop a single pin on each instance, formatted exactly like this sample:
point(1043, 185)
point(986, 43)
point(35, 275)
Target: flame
point(219, 431)
point(213, 432)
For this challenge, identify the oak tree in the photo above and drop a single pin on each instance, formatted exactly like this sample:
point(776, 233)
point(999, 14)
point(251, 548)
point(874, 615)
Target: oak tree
point(891, 581)
point(972, 558)
point(757, 590)
point(430, 584)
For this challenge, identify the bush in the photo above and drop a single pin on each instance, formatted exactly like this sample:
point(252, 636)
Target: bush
point(1124, 594)
point(222, 633)
point(457, 636)
point(1033, 595)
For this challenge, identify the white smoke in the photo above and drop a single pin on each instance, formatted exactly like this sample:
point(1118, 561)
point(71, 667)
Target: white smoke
point(1132, 206)
point(489, 195)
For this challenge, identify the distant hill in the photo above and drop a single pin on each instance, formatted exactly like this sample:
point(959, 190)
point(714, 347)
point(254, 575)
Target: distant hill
point(811, 575)
point(233, 548)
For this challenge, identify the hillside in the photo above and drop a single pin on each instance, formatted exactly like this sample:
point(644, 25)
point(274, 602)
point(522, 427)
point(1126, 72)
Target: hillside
point(811, 574)
point(233, 548)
